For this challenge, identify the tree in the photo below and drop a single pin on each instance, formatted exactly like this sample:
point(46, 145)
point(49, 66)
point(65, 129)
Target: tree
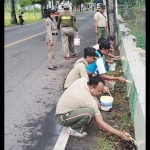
point(13, 12)
point(79, 2)
point(43, 4)
point(44, 8)
point(24, 3)
point(111, 14)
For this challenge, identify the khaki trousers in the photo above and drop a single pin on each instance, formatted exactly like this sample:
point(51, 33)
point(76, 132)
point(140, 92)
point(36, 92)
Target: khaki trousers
point(51, 52)
point(67, 36)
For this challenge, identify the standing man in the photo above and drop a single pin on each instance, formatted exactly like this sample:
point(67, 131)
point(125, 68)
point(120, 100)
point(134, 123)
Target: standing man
point(68, 26)
point(51, 37)
point(77, 107)
point(101, 23)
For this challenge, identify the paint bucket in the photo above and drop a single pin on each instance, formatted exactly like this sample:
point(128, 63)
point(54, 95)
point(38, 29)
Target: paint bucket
point(117, 61)
point(76, 41)
point(112, 67)
point(106, 102)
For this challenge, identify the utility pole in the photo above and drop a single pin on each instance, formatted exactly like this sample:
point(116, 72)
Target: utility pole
point(116, 7)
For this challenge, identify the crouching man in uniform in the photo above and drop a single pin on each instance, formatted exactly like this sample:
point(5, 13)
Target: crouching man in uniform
point(77, 107)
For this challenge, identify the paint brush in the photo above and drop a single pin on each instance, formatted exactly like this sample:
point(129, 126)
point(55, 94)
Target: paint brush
point(128, 81)
point(132, 140)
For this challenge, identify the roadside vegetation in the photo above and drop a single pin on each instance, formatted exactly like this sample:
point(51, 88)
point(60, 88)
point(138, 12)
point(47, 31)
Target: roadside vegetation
point(136, 23)
point(28, 16)
point(119, 117)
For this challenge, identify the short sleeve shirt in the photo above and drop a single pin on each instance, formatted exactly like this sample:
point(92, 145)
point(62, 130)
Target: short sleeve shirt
point(77, 95)
point(102, 21)
point(78, 71)
point(99, 65)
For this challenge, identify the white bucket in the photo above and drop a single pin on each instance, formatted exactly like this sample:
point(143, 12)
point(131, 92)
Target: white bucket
point(112, 67)
point(76, 41)
point(106, 102)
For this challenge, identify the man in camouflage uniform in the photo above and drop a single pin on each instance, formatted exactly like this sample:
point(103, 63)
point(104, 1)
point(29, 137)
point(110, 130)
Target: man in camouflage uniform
point(68, 25)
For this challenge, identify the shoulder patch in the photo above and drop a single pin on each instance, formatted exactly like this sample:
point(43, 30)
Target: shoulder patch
point(47, 23)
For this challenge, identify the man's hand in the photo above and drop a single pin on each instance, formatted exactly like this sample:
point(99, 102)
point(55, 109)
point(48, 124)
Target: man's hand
point(96, 31)
point(107, 32)
point(111, 61)
point(121, 79)
point(118, 57)
point(106, 89)
point(51, 42)
point(124, 135)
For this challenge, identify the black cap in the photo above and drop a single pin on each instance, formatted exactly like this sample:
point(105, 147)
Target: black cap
point(91, 51)
point(104, 44)
point(102, 6)
point(49, 10)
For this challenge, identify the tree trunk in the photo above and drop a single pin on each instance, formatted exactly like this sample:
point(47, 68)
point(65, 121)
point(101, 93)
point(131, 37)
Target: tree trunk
point(44, 8)
point(111, 14)
point(34, 15)
point(41, 10)
point(13, 12)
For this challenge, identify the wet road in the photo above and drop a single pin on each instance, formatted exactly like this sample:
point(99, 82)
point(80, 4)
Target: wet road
point(31, 90)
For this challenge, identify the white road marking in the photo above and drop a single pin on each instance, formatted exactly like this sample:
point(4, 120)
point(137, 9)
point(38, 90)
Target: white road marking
point(62, 140)
point(25, 39)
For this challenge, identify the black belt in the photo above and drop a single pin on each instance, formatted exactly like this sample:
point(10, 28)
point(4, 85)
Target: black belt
point(101, 27)
point(54, 33)
point(65, 26)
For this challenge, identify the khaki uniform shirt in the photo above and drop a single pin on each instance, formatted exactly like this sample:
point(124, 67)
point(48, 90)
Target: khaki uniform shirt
point(102, 21)
point(78, 71)
point(67, 20)
point(96, 46)
point(50, 28)
point(77, 95)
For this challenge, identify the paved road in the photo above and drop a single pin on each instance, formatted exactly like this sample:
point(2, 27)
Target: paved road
point(31, 90)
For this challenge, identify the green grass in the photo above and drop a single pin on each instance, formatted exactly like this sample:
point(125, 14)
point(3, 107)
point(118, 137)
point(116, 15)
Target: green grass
point(141, 39)
point(137, 28)
point(104, 143)
point(29, 18)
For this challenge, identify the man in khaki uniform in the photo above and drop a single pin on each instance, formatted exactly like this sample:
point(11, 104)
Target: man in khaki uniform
point(77, 107)
point(101, 23)
point(79, 68)
point(51, 37)
point(99, 66)
point(68, 26)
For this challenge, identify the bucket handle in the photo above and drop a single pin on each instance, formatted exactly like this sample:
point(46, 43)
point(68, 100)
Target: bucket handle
point(77, 36)
point(109, 93)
